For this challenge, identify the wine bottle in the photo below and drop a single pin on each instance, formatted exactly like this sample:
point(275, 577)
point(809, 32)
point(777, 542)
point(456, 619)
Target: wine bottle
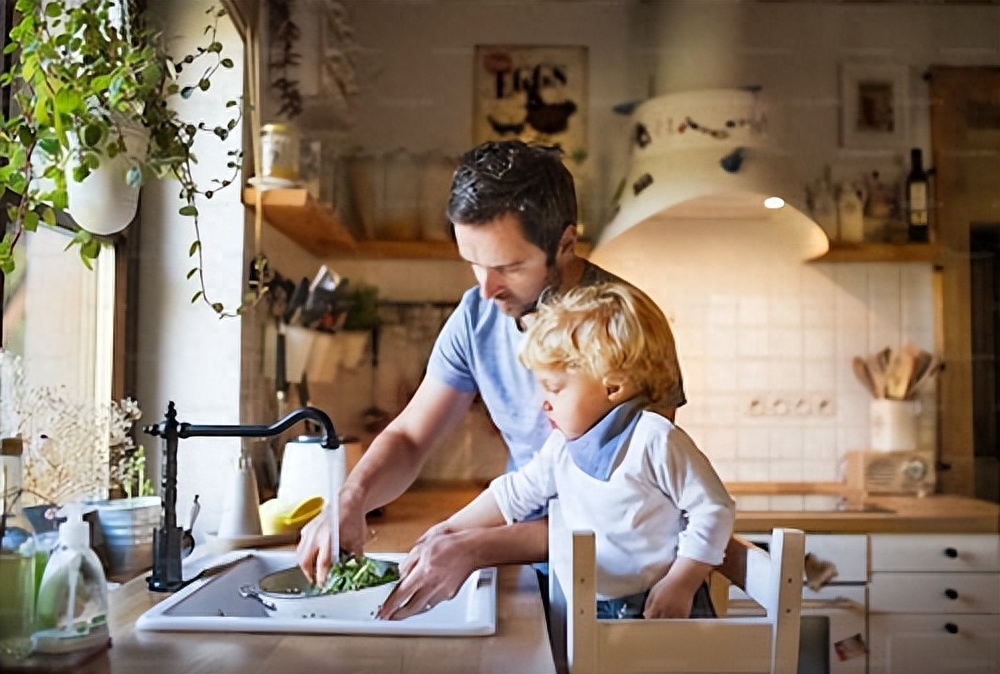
point(918, 225)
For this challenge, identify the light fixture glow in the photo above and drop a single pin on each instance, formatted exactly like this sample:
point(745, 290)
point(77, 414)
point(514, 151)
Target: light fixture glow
point(774, 203)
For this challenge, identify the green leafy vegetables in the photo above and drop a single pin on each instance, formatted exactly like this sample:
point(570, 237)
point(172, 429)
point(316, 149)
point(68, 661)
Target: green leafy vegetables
point(355, 574)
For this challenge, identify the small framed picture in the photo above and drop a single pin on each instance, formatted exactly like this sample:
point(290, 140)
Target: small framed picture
point(873, 105)
point(537, 94)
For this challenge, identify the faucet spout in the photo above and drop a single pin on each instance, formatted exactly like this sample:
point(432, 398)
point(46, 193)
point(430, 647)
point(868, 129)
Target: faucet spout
point(330, 441)
point(166, 575)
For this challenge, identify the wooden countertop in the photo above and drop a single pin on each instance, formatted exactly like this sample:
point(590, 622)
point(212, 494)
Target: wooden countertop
point(907, 514)
point(519, 645)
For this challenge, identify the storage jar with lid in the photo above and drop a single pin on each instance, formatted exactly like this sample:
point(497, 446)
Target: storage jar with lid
point(279, 151)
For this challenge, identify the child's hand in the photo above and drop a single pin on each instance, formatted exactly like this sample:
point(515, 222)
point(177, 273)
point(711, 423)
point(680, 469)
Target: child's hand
point(668, 600)
point(673, 595)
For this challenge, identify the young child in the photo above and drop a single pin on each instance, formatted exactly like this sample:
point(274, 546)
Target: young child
point(660, 513)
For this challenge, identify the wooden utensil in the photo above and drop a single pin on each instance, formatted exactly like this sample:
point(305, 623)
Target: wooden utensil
point(863, 375)
point(877, 373)
point(929, 373)
point(897, 380)
point(921, 362)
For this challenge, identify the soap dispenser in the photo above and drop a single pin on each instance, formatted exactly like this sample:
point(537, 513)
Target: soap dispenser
point(72, 605)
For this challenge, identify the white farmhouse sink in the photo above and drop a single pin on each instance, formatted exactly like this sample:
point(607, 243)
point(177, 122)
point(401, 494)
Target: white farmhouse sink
point(215, 605)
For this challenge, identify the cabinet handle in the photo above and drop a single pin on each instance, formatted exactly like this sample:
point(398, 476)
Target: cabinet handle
point(951, 552)
point(951, 594)
point(951, 628)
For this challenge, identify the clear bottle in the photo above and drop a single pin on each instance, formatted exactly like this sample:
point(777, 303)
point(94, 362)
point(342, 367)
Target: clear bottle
point(17, 558)
point(918, 223)
point(72, 600)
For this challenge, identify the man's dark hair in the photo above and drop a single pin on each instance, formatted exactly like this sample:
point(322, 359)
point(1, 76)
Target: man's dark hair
point(529, 181)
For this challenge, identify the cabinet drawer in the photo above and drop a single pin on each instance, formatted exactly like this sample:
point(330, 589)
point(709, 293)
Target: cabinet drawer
point(849, 553)
point(921, 644)
point(934, 593)
point(943, 552)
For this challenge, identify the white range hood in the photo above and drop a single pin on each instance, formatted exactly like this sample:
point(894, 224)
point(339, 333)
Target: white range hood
point(701, 169)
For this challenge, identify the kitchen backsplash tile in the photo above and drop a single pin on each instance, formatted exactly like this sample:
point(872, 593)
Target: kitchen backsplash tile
point(783, 336)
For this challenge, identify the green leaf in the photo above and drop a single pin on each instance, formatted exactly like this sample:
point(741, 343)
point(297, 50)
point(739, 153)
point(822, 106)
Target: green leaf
point(91, 249)
point(192, 272)
point(226, 63)
point(186, 92)
point(196, 296)
point(66, 101)
point(92, 134)
point(195, 245)
point(217, 306)
point(188, 210)
point(31, 221)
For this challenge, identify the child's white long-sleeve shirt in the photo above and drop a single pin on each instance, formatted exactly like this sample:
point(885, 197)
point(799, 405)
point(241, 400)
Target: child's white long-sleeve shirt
point(661, 500)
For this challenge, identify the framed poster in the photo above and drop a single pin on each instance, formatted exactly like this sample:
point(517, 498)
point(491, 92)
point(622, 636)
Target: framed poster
point(873, 105)
point(533, 93)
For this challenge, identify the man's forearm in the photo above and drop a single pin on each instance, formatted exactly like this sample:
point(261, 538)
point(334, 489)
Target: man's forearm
point(386, 470)
point(520, 543)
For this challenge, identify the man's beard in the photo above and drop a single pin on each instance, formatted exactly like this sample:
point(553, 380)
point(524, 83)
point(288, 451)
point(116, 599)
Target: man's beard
point(553, 280)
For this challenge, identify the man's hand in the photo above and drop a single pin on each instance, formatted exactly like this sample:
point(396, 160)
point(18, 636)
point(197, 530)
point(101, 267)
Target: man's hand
point(314, 553)
point(435, 569)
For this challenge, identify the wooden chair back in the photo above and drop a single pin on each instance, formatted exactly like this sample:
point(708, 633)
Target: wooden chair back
point(769, 644)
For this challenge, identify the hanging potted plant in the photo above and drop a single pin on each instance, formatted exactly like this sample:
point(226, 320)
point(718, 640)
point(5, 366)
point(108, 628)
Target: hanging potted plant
point(92, 86)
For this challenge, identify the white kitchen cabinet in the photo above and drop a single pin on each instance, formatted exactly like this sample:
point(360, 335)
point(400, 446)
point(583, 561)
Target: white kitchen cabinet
point(833, 616)
point(934, 604)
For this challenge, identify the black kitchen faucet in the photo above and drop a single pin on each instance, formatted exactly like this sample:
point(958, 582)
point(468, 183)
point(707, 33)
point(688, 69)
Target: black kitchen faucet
point(166, 575)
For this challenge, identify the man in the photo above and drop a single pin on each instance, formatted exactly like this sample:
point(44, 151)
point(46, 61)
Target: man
point(513, 208)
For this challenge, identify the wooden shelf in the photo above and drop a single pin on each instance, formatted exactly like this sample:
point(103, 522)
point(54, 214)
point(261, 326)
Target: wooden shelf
point(309, 223)
point(315, 226)
point(881, 252)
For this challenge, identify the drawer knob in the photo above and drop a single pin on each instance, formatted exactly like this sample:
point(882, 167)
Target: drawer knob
point(951, 553)
point(951, 594)
point(951, 628)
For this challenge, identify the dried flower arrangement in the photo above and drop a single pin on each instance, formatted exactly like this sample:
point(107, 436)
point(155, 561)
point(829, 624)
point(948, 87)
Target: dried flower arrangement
point(68, 444)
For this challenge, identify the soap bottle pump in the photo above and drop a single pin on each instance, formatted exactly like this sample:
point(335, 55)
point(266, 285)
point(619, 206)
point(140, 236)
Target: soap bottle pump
point(72, 606)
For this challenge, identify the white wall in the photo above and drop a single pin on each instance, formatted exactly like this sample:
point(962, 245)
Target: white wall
point(185, 353)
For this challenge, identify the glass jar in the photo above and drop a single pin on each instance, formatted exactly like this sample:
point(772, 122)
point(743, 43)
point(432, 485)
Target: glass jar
point(279, 152)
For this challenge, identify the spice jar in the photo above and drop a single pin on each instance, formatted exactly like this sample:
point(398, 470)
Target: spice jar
point(279, 150)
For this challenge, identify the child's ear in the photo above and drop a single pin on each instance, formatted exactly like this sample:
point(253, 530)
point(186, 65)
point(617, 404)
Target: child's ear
point(619, 388)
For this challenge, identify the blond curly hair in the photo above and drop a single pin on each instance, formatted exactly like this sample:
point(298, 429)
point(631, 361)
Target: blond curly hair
point(608, 329)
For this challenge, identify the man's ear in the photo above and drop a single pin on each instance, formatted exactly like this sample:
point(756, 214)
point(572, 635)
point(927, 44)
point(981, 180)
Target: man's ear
point(567, 242)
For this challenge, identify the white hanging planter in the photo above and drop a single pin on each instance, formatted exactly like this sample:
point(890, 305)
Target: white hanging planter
point(104, 203)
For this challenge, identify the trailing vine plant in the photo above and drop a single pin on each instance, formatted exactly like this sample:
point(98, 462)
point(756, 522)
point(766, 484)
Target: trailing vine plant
point(82, 73)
